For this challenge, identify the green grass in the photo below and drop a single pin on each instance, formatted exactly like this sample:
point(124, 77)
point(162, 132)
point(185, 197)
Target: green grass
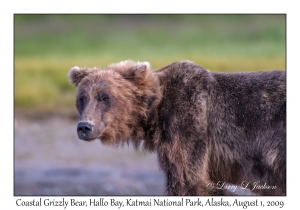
point(46, 46)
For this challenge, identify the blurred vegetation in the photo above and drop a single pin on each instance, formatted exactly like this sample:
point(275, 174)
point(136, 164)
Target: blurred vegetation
point(46, 46)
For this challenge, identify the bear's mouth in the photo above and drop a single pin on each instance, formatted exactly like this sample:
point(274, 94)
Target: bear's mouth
point(84, 137)
point(89, 140)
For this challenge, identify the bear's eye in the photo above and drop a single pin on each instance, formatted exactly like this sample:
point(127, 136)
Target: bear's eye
point(104, 98)
point(81, 101)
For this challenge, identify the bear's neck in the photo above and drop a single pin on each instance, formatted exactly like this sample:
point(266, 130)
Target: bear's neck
point(146, 132)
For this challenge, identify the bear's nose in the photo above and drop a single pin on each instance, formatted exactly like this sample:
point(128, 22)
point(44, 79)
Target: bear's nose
point(84, 130)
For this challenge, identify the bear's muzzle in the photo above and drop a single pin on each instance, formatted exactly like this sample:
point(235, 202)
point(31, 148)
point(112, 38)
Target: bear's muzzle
point(84, 130)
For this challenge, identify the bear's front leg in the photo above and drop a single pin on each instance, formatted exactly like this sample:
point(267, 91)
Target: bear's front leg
point(186, 170)
point(186, 185)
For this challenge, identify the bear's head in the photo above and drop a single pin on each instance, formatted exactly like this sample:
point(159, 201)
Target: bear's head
point(113, 103)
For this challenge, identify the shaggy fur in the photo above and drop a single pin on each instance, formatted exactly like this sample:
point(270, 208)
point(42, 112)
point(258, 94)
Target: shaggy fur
point(205, 127)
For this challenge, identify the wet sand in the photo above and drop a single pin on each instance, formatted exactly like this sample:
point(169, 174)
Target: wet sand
point(49, 159)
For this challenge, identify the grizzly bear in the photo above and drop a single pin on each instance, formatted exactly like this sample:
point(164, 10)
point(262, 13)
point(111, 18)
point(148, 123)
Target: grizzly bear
point(208, 129)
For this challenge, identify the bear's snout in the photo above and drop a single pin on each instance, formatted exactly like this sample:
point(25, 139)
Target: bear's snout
point(84, 130)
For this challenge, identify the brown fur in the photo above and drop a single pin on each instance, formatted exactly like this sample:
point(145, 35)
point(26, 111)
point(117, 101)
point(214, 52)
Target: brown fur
point(205, 127)
point(130, 107)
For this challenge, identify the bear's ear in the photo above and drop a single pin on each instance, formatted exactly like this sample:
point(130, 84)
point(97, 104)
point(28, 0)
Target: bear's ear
point(76, 74)
point(137, 72)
